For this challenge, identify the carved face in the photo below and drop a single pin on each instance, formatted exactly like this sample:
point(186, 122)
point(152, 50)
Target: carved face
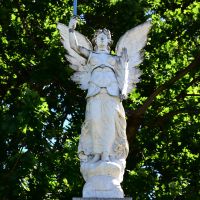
point(102, 41)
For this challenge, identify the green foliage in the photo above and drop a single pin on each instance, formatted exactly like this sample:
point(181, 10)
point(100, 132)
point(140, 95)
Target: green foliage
point(42, 110)
point(167, 142)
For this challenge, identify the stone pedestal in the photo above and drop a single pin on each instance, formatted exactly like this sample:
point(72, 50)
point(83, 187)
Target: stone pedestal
point(126, 198)
point(103, 179)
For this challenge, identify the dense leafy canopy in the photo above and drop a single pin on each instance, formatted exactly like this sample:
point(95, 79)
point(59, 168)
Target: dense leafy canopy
point(42, 110)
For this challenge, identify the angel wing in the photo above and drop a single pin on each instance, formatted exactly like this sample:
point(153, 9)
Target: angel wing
point(77, 62)
point(134, 41)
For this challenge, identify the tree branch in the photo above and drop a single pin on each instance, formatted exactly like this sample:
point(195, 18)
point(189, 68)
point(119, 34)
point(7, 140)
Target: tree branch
point(194, 95)
point(182, 94)
point(161, 120)
point(166, 85)
point(135, 117)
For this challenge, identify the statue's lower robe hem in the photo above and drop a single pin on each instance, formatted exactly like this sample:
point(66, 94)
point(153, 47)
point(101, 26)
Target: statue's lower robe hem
point(104, 131)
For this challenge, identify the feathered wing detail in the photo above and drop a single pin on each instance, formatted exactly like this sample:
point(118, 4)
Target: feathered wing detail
point(134, 41)
point(77, 62)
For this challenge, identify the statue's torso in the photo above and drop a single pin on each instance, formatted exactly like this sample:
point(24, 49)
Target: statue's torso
point(98, 59)
point(102, 74)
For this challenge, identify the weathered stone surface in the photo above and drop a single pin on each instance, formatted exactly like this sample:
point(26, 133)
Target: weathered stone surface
point(108, 79)
point(103, 187)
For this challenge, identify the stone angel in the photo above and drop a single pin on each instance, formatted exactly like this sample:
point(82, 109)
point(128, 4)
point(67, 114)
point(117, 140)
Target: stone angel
point(108, 79)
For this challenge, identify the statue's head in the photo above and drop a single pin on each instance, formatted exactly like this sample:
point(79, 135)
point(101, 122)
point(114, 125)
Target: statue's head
point(102, 39)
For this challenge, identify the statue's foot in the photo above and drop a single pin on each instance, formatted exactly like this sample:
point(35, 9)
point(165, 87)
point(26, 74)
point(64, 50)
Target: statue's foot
point(96, 158)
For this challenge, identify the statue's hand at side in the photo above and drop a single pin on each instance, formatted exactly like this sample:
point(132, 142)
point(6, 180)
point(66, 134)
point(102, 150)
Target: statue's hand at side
point(73, 22)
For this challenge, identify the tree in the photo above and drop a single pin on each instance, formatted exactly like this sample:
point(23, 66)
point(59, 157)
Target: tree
point(166, 118)
point(42, 109)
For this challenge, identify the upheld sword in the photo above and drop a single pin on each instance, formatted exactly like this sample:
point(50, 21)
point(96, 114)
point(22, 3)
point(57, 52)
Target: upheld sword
point(75, 8)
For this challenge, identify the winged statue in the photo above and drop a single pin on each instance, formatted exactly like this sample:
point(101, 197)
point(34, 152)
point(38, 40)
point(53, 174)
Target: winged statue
point(108, 80)
point(132, 42)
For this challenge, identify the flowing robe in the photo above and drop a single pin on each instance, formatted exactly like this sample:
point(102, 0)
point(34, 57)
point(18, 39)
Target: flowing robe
point(104, 128)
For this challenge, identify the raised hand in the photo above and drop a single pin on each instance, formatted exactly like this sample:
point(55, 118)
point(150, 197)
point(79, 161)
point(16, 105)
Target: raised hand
point(73, 21)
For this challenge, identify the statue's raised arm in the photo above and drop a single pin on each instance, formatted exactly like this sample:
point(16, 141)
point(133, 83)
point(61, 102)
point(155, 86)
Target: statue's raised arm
point(78, 48)
point(74, 43)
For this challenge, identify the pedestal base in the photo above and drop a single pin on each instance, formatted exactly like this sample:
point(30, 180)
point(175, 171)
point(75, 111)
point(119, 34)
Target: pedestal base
point(126, 198)
point(102, 187)
point(103, 179)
